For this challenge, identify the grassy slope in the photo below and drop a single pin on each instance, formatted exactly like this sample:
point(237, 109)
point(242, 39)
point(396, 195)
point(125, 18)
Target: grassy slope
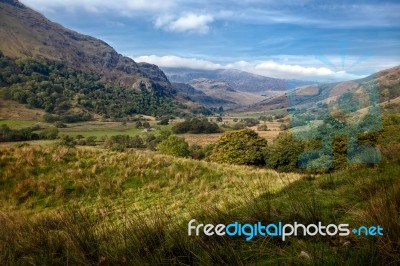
point(50, 177)
point(100, 207)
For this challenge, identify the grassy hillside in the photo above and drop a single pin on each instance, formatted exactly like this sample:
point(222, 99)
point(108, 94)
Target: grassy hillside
point(90, 206)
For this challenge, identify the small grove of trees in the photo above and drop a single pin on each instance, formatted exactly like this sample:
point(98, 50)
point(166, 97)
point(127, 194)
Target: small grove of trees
point(165, 142)
point(195, 126)
point(30, 133)
point(240, 147)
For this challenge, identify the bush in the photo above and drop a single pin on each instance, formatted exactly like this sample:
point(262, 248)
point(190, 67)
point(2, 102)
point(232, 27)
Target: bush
point(49, 133)
point(67, 141)
point(238, 126)
point(146, 125)
point(283, 127)
point(139, 124)
point(60, 124)
point(91, 141)
point(250, 122)
point(175, 146)
point(164, 122)
point(197, 152)
point(262, 128)
point(240, 147)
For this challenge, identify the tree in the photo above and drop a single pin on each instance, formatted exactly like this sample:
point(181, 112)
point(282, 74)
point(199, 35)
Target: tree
point(138, 124)
point(146, 125)
point(175, 146)
point(284, 153)
point(164, 122)
point(240, 147)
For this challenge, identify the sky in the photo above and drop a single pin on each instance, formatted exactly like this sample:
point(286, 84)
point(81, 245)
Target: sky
point(304, 39)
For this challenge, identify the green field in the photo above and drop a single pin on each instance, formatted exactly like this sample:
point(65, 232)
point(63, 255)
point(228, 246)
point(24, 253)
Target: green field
point(21, 123)
point(86, 129)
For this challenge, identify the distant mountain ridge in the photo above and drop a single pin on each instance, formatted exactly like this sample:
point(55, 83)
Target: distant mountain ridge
point(236, 79)
point(387, 83)
point(26, 33)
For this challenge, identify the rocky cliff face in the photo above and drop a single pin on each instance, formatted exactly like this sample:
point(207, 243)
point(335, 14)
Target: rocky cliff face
point(25, 32)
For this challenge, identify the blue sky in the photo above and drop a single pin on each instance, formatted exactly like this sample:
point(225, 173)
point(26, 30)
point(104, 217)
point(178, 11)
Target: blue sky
point(285, 39)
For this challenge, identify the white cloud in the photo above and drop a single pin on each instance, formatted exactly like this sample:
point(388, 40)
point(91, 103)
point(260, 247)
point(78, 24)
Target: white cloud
point(188, 23)
point(176, 61)
point(273, 69)
point(268, 68)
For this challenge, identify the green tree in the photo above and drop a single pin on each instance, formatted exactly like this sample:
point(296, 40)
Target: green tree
point(283, 154)
point(146, 125)
point(175, 146)
point(138, 124)
point(240, 147)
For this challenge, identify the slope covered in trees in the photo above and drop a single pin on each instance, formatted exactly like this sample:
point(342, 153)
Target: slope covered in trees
point(71, 95)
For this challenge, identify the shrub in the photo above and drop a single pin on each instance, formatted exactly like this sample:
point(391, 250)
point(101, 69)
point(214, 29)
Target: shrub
point(175, 146)
point(240, 147)
point(67, 141)
point(146, 125)
point(250, 122)
point(91, 141)
point(197, 152)
point(60, 124)
point(164, 122)
point(139, 124)
point(238, 126)
point(262, 128)
point(49, 133)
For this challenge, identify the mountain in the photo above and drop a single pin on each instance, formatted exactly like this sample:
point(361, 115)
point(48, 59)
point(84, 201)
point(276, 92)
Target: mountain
point(26, 33)
point(223, 91)
point(236, 79)
point(386, 83)
point(186, 91)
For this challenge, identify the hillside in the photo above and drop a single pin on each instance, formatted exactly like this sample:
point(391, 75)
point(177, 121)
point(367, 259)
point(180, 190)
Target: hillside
point(386, 83)
point(223, 91)
point(99, 207)
point(70, 95)
point(26, 33)
point(188, 92)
